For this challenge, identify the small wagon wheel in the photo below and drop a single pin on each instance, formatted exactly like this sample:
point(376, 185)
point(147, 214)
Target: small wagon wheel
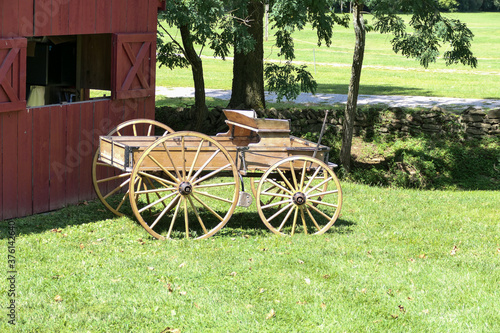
point(186, 168)
point(108, 180)
point(305, 203)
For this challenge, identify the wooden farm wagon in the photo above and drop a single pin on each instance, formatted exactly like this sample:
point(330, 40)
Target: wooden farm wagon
point(190, 184)
point(58, 58)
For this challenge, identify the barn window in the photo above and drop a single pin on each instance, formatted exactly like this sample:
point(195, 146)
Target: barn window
point(67, 69)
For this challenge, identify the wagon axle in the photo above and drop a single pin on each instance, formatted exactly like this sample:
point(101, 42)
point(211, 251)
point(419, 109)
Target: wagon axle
point(299, 198)
point(185, 188)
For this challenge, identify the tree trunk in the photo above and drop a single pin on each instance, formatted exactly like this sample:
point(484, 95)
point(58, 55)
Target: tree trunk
point(200, 110)
point(352, 96)
point(248, 68)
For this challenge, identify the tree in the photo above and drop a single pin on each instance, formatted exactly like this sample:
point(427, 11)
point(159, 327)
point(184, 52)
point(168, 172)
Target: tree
point(287, 80)
point(430, 32)
point(199, 22)
point(248, 64)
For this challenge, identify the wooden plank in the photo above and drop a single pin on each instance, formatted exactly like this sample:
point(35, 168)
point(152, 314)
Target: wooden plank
point(10, 16)
point(150, 108)
point(119, 15)
point(41, 153)
point(42, 17)
point(74, 152)
point(153, 14)
point(137, 16)
point(85, 172)
point(82, 15)
point(9, 167)
point(60, 17)
point(58, 168)
point(25, 154)
point(1, 166)
point(26, 18)
point(12, 74)
point(103, 17)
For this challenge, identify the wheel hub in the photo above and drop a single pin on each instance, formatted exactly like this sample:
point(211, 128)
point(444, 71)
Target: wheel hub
point(185, 188)
point(299, 198)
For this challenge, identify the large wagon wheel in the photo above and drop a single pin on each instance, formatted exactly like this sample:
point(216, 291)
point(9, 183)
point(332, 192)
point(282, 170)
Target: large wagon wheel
point(186, 168)
point(305, 203)
point(108, 180)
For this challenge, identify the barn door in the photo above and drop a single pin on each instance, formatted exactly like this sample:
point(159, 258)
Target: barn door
point(134, 62)
point(12, 74)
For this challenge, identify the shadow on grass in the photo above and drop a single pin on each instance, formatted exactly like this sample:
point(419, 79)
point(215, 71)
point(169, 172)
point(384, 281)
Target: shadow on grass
point(372, 90)
point(240, 224)
point(436, 164)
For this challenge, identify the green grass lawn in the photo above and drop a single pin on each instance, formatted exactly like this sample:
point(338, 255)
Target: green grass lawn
point(395, 261)
point(384, 72)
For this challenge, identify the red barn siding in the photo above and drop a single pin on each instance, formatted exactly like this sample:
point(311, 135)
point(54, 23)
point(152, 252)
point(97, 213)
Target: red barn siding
point(41, 161)
point(9, 167)
point(46, 152)
point(24, 167)
point(60, 17)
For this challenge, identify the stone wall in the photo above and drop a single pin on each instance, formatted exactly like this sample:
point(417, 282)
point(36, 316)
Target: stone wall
point(471, 123)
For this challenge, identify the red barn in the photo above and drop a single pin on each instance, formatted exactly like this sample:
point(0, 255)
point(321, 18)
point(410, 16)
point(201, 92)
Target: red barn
point(56, 57)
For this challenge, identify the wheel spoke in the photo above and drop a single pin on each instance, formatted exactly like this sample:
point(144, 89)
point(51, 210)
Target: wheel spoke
point(279, 212)
point(165, 210)
point(117, 188)
point(208, 208)
point(173, 220)
point(319, 211)
point(157, 190)
point(183, 145)
point(292, 171)
point(162, 168)
point(152, 186)
point(284, 189)
point(211, 174)
point(312, 218)
point(294, 220)
point(324, 193)
point(303, 219)
point(171, 161)
point(275, 204)
point(213, 196)
point(186, 217)
point(317, 202)
point(150, 127)
point(319, 185)
point(303, 176)
point(286, 217)
point(123, 175)
point(160, 180)
point(197, 215)
point(216, 185)
point(312, 178)
point(277, 194)
point(134, 129)
point(285, 179)
point(157, 202)
point(206, 163)
point(195, 159)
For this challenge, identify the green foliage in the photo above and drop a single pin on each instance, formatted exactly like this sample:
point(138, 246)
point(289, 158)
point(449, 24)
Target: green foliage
point(448, 5)
point(430, 32)
point(288, 80)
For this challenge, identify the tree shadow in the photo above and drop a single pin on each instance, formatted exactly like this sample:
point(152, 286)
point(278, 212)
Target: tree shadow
point(436, 164)
point(372, 90)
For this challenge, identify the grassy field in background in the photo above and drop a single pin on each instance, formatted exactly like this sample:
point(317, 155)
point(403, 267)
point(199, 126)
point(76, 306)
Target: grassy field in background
point(384, 72)
point(395, 261)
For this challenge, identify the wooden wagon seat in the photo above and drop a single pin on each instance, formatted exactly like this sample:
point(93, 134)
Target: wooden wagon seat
point(246, 129)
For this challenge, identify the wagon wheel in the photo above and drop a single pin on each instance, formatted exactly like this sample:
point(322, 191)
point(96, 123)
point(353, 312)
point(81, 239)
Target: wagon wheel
point(305, 203)
point(108, 180)
point(193, 199)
